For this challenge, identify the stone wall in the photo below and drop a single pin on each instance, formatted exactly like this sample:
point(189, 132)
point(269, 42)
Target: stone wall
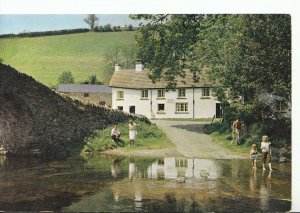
point(35, 120)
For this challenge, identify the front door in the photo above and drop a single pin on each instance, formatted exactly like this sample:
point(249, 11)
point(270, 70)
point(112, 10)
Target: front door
point(132, 109)
point(219, 111)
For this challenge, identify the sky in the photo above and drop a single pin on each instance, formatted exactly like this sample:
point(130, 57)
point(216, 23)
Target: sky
point(47, 22)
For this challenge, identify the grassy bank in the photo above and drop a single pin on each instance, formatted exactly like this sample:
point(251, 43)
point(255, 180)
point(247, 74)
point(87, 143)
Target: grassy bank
point(221, 135)
point(45, 58)
point(148, 137)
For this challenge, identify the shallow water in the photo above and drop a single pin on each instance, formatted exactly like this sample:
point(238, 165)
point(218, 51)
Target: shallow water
point(134, 184)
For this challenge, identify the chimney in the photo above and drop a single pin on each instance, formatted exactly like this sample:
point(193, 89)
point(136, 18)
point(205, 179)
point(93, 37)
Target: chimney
point(139, 66)
point(117, 67)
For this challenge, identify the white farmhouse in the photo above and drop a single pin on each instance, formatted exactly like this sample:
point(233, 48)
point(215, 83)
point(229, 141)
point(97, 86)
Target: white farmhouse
point(134, 92)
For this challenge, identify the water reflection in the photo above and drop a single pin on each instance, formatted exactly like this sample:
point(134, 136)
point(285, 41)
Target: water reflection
point(265, 190)
point(134, 184)
point(174, 168)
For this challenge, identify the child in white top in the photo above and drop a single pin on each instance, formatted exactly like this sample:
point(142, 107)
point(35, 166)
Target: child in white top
point(266, 151)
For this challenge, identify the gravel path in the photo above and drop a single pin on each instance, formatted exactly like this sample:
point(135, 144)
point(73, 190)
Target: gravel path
point(191, 142)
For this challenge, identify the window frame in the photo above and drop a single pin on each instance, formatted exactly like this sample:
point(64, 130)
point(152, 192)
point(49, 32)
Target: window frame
point(161, 94)
point(182, 105)
point(144, 94)
point(281, 106)
point(205, 92)
point(181, 93)
point(161, 111)
point(119, 95)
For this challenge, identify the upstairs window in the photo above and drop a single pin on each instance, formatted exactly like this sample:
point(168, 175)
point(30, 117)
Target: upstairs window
point(205, 92)
point(181, 93)
point(120, 95)
point(144, 94)
point(161, 93)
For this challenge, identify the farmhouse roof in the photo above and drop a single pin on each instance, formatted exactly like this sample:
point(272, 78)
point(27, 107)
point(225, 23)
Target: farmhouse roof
point(84, 88)
point(140, 80)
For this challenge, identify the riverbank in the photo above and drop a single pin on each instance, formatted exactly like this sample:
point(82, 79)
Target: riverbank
point(187, 140)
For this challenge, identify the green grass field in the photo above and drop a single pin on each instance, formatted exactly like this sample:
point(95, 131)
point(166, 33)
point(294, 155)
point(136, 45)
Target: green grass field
point(45, 58)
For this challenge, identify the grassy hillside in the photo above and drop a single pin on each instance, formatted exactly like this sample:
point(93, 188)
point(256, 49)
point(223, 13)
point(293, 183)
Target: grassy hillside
point(45, 58)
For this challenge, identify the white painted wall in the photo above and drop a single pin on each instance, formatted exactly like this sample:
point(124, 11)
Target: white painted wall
point(203, 108)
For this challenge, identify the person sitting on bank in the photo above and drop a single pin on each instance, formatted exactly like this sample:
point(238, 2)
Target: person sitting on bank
point(236, 128)
point(115, 133)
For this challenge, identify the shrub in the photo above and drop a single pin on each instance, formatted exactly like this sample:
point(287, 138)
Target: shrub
point(215, 127)
point(66, 78)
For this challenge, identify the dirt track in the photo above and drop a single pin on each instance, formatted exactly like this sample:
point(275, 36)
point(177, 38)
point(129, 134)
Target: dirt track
point(191, 142)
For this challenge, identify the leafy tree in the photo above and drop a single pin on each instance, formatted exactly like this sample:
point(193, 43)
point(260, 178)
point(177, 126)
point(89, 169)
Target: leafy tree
point(107, 28)
point(124, 55)
point(130, 27)
point(91, 20)
point(93, 79)
point(244, 54)
point(66, 77)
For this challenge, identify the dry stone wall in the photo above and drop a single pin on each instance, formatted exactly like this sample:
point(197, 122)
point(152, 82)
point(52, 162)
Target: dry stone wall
point(35, 120)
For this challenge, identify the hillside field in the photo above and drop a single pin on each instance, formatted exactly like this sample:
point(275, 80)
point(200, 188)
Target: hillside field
point(45, 58)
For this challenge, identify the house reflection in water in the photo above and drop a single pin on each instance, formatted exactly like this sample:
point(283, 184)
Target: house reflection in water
point(174, 168)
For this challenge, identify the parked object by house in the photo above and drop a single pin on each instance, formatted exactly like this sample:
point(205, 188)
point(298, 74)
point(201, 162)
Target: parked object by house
point(93, 94)
point(134, 92)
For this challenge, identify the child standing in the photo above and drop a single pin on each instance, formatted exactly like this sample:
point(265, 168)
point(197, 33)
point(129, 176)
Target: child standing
point(253, 155)
point(266, 151)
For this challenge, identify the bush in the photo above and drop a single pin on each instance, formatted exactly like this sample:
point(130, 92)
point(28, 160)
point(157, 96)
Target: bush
point(66, 78)
point(215, 127)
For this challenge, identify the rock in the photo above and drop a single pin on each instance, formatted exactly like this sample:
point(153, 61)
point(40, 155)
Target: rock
point(283, 152)
point(282, 160)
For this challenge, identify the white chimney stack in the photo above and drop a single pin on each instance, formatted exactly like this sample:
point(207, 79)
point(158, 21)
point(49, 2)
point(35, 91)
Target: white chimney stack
point(139, 66)
point(117, 67)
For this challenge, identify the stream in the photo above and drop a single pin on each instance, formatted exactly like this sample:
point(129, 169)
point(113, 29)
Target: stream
point(135, 184)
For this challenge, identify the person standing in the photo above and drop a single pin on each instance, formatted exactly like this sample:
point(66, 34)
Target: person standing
point(266, 151)
point(132, 132)
point(253, 155)
point(236, 128)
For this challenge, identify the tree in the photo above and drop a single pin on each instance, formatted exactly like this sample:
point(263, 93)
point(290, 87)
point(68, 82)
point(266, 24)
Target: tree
point(91, 20)
point(66, 77)
point(246, 54)
point(93, 79)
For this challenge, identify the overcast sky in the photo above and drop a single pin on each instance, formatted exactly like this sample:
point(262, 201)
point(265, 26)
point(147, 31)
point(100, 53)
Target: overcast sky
point(44, 22)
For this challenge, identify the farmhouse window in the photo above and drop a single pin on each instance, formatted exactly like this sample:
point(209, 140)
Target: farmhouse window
point(145, 94)
point(281, 106)
point(205, 92)
point(160, 93)
point(161, 107)
point(181, 93)
point(120, 95)
point(120, 108)
point(181, 107)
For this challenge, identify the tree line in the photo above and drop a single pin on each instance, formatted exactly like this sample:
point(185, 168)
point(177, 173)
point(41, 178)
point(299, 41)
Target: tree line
point(245, 55)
